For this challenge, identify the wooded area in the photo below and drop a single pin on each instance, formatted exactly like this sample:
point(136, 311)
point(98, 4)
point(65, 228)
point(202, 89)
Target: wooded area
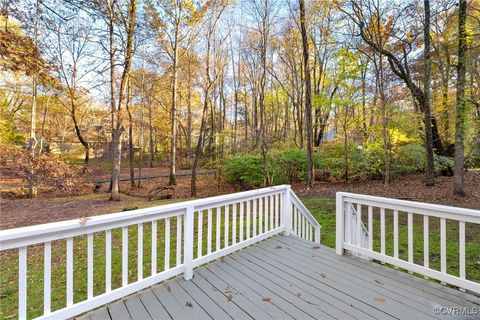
point(262, 91)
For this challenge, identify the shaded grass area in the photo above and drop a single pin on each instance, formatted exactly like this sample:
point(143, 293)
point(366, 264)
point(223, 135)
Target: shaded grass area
point(324, 212)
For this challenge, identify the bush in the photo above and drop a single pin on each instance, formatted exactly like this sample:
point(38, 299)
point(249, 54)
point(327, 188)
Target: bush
point(409, 158)
point(293, 164)
point(245, 171)
point(44, 170)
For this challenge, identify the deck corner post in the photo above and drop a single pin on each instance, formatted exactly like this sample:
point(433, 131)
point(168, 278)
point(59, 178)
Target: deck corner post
point(317, 234)
point(188, 243)
point(287, 211)
point(340, 223)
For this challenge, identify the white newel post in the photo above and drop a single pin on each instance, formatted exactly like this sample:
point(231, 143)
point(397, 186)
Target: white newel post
point(188, 243)
point(340, 224)
point(287, 211)
point(317, 234)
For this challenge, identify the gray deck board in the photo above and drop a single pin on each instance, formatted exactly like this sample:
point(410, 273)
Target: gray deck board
point(100, 314)
point(136, 308)
point(333, 307)
point(288, 296)
point(118, 310)
point(192, 307)
point(299, 279)
point(154, 307)
point(173, 307)
point(209, 305)
point(228, 304)
point(254, 296)
point(238, 298)
point(395, 277)
point(348, 279)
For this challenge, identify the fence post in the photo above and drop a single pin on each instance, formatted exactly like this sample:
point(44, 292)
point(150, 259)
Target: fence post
point(188, 243)
point(340, 223)
point(317, 234)
point(287, 211)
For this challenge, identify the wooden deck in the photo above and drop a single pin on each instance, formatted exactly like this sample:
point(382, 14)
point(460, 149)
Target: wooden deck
point(289, 278)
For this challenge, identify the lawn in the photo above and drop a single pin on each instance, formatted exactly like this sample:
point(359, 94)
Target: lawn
point(324, 212)
point(322, 209)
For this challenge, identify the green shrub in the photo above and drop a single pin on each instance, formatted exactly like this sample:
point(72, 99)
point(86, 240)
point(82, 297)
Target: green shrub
point(245, 171)
point(409, 158)
point(293, 163)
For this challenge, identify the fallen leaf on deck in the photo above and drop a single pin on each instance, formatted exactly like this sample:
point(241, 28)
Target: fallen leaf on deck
point(380, 299)
point(322, 275)
point(316, 247)
point(278, 247)
point(188, 304)
point(299, 294)
point(267, 299)
point(168, 288)
point(379, 282)
point(229, 297)
point(222, 259)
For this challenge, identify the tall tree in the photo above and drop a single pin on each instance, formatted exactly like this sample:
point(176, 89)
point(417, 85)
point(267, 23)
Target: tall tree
point(430, 170)
point(110, 10)
point(211, 76)
point(308, 95)
point(460, 110)
point(397, 47)
point(175, 24)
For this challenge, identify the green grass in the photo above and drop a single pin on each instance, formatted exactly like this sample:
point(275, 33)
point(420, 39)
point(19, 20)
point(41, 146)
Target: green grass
point(322, 209)
point(9, 262)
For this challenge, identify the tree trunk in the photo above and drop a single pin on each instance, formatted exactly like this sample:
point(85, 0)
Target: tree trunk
point(150, 132)
point(199, 148)
point(308, 97)
point(118, 130)
point(460, 110)
point(80, 137)
point(430, 170)
point(173, 145)
point(131, 152)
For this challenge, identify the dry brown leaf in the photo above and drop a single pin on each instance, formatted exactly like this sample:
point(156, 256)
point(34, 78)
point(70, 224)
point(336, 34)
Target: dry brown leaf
point(84, 220)
point(278, 247)
point(380, 299)
point(267, 299)
point(189, 304)
point(316, 247)
point(322, 275)
point(229, 297)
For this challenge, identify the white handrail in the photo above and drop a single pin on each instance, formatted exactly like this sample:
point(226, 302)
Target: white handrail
point(14, 238)
point(345, 231)
point(304, 224)
point(259, 213)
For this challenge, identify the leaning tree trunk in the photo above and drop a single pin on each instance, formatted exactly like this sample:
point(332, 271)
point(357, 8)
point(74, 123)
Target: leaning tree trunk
point(460, 110)
point(80, 137)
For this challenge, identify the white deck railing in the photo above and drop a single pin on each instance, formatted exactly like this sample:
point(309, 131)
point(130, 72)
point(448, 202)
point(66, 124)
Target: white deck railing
point(352, 235)
point(194, 232)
